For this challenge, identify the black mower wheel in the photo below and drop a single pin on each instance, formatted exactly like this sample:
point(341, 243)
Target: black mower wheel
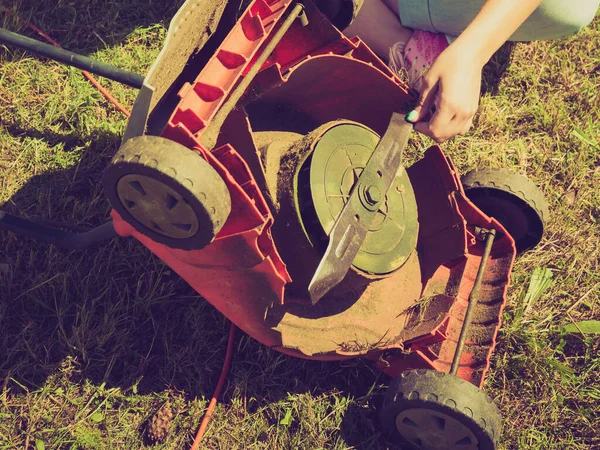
point(429, 410)
point(167, 192)
point(513, 200)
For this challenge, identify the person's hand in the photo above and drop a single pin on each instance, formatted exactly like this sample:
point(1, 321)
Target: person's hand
point(452, 86)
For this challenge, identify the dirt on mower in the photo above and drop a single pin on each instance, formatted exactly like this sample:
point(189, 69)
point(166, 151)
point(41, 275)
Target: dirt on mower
point(352, 320)
point(272, 147)
point(184, 40)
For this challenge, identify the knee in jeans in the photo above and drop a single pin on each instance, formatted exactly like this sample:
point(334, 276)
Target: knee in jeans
point(575, 20)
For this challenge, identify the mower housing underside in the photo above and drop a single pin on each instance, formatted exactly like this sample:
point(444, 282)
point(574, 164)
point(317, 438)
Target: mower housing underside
point(408, 319)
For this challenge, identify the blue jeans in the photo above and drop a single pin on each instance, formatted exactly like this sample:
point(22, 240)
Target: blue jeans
point(552, 19)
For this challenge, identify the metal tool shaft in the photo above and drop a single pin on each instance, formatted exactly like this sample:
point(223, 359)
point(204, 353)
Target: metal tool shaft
point(71, 59)
point(473, 299)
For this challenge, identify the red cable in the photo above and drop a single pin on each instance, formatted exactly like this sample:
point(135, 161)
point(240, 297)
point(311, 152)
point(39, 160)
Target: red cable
point(217, 393)
point(106, 94)
point(85, 73)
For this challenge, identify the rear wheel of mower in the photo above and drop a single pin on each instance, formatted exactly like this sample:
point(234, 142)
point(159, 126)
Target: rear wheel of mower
point(513, 200)
point(167, 192)
point(430, 410)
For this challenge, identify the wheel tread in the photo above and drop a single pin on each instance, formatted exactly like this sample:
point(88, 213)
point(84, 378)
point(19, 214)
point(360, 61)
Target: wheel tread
point(446, 387)
point(510, 182)
point(164, 158)
point(529, 192)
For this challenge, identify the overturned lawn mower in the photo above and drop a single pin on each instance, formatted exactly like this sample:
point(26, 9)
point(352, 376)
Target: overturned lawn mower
point(263, 164)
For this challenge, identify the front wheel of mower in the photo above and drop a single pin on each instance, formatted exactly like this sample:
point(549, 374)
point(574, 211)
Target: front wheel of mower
point(513, 200)
point(429, 410)
point(167, 192)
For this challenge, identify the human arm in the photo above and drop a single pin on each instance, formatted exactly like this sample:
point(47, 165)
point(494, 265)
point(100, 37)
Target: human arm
point(453, 82)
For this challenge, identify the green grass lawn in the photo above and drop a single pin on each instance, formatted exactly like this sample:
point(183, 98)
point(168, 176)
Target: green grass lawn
point(93, 344)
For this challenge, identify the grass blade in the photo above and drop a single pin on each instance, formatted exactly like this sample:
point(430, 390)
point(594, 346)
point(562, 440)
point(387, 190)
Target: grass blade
point(541, 278)
point(585, 327)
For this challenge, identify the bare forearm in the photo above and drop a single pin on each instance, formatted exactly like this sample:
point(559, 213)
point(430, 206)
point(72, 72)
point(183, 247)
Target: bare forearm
point(494, 24)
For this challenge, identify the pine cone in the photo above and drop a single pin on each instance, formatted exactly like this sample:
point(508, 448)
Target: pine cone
point(160, 424)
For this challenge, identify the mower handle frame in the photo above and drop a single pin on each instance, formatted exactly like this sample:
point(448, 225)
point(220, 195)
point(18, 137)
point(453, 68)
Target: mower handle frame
point(71, 59)
point(56, 234)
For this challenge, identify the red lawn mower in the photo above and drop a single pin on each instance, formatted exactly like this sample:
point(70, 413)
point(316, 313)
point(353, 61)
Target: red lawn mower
point(263, 162)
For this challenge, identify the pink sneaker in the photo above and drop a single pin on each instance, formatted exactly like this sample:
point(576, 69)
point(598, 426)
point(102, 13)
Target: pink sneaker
point(410, 61)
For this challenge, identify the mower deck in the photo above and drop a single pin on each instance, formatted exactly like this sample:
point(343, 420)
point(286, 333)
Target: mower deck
point(408, 319)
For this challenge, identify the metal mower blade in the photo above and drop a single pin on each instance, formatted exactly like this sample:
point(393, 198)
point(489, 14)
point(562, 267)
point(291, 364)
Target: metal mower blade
point(358, 213)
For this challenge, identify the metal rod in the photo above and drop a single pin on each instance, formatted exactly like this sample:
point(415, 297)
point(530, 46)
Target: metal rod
point(210, 135)
point(473, 299)
point(71, 59)
point(55, 236)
